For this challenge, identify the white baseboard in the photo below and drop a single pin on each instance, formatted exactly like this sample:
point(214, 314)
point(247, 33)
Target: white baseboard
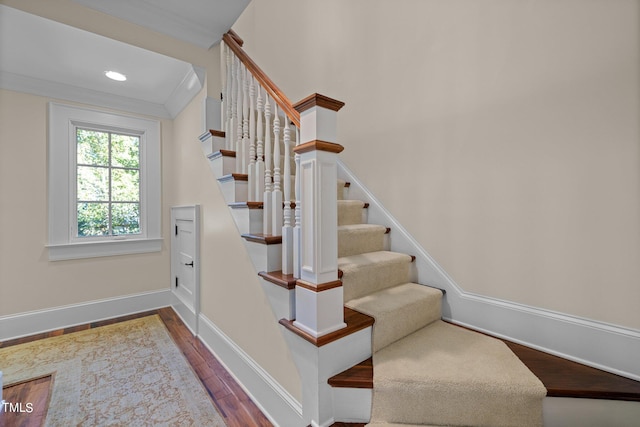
point(274, 401)
point(34, 322)
point(575, 412)
point(185, 313)
point(604, 346)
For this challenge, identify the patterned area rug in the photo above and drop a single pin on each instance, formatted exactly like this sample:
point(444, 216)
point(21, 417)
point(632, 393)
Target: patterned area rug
point(129, 374)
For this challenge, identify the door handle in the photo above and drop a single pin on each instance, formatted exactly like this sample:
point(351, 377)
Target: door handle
point(190, 264)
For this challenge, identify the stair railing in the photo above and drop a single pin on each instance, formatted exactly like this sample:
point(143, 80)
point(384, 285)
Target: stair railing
point(257, 119)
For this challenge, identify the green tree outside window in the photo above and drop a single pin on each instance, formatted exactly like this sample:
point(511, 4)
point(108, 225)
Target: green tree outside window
point(107, 183)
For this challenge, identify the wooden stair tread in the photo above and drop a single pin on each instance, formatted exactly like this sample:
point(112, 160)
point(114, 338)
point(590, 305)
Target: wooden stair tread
point(217, 133)
point(286, 281)
point(248, 205)
point(358, 376)
point(235, 177)
point(265, 239)
point(355, 321)
point(561, 377)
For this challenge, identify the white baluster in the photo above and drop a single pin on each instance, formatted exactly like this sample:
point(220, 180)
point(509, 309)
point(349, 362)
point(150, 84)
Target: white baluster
point(287, 229)
point(238, 127)
point(245, 120)
point(297, 212)
point(260, 148)
point(252, 139)
point(233, 96)
point(223, 90)
point(276, 196)
point(268, 185)
point(228, 102)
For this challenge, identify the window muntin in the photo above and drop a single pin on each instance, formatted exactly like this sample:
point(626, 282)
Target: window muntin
point(63, 156)
point(107, 183)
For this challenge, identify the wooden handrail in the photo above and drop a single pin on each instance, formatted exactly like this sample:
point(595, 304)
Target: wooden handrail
point(231, 40)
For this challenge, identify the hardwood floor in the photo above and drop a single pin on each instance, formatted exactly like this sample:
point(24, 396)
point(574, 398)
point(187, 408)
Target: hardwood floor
point(561, 377)
point(235, 406)
point(564, 378)
point(37, 393)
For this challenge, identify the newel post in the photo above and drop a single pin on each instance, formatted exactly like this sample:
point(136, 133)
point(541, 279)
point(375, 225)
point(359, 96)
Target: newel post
point(319, 296)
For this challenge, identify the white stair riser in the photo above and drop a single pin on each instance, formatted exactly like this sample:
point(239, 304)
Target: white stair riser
point(248, 221)
point(317, 364)
point(265, 257)
point(352, 405)
point(234, 191)
point(222, 165)
point(283, 301)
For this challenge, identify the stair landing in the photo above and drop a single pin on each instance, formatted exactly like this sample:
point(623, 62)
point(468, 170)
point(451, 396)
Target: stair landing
point(561, 377)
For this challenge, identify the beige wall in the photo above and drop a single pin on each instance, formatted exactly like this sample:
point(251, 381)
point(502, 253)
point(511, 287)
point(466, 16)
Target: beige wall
point(231, 293)
point(511, 128)
point(28, 280)
point(232, 296)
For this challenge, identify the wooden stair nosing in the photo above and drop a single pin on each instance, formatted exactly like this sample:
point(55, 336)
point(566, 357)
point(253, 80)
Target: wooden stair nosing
point(355, 321)
point(265, 239)
point(234, 177)
point(286, 281)
point(358, 376)
point(221, 153)
point(248, 205)
point(217, 133)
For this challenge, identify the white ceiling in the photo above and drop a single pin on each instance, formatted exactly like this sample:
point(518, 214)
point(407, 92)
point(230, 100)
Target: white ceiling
point(199, 22)
point(45, 57)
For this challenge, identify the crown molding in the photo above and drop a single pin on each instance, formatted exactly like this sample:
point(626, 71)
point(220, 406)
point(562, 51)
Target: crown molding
point(188, 88)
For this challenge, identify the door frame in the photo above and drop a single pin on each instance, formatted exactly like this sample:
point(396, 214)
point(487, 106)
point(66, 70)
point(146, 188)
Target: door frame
point(188, 314)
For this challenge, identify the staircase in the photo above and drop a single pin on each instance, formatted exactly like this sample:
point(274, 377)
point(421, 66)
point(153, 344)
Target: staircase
point(353, 309)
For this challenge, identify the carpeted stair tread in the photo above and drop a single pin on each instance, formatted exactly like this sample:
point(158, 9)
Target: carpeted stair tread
point(355, 239)
point(444, 374)
point(350, 212)
point(399, 311)
point(370, 272)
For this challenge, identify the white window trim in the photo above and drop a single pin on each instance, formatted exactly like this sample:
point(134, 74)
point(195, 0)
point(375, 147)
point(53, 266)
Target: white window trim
point(63, 119)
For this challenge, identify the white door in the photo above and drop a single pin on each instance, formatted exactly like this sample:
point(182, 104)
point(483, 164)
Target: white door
point(185, 263)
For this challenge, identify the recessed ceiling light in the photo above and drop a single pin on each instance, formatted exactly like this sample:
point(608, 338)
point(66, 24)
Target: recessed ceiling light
point(114, 75)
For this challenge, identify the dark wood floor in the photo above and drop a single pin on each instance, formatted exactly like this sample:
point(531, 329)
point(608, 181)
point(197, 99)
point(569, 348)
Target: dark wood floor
point(232, 402)
point(562, 378)
point(36, 392)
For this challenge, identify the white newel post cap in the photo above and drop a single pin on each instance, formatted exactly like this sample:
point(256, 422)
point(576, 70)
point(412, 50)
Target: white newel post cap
point(318, 118)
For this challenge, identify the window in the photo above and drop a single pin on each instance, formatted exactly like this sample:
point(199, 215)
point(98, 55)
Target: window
point(107, 183)
point(104, 183)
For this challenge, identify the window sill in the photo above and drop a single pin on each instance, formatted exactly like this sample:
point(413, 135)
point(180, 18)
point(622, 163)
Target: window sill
point(101, 249)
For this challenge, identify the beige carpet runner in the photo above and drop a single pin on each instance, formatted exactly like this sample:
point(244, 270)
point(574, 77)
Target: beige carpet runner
point(125, 374)
point(426, 372)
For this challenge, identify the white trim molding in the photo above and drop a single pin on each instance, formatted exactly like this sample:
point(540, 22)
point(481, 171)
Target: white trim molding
point(63, 120)
point(604, 346)
point(35, 322)
point(278, 405)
